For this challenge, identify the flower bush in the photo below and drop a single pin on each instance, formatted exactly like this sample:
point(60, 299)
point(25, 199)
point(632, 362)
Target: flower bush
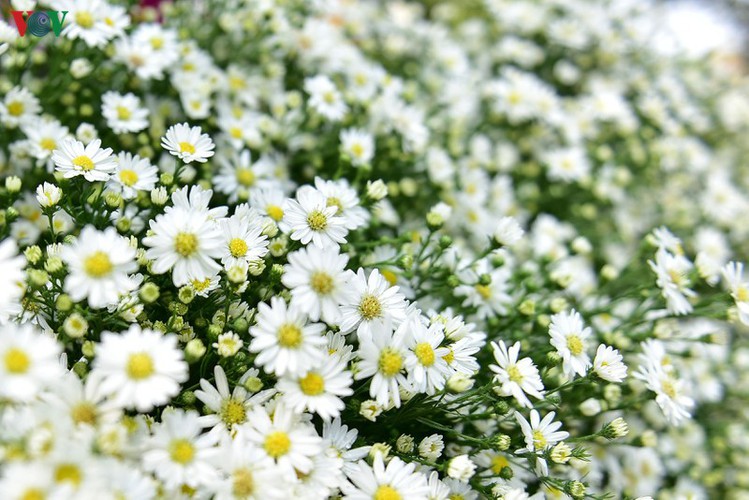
point(372, 250)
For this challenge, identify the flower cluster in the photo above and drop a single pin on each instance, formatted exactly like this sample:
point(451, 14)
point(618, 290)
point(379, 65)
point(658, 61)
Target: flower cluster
point(370, 250)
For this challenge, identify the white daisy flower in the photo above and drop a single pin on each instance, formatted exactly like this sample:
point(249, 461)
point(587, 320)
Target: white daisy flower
point(672, 271)
point(18, 107)
point(48, 195)
point(671, 392)
point(229, 409)
point(325, 98)
point(339, 439)
point(608, 364)
point(319, 390)
point(228, 344)
point(340, 195)
point(28, 362)
point(540, 434)
point(99, 265)
point(179, 453)
point(243, 242)
point(569, 335)
point(284, 437)
point(283, 339)
point(733, 277)
point(132, 174)
point(358, 145)
point(397, 480)
point(316, 278)
point(425, 362)
point(188, 144)
point(123, 112)
point(91, 161)
point(371, 306)
point(87, 22)
point(44, 137)
point(139, 368)
point(12, 280)
point(311, 219)
point(508, 231)
point(270, 202)
point(516, 377)
point(83, 402)
point(567, 165)
point(383, 358)
point(185, 241)
point(238, 177)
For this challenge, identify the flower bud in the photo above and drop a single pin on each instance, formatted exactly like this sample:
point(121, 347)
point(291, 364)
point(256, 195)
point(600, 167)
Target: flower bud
point(382, 449)
point(64, 303)
point(370, 410)
point(527, 307)
point(159, 196)
point(48, 195)
point(590, 407)
point(253, 384)
point(88, 349)
point(75, 326)
point(561, 453)
point(149, 292)
point(615, 429)
point(53, 265)
point(404, 444)
point(38, 277)
point(502, 442)
point(376, 190)
point(194, 350)
point(461, 468)
point(13, 184)
point(459, 382)
point(33, 254)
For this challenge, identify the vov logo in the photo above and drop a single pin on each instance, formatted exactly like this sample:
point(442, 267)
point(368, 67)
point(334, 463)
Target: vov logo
point(39, 22)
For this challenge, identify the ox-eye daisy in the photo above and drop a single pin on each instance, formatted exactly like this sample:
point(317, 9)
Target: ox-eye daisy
point(283, 339)
point(342, 196)
point(187, 241)
point(243, 242)
point(133, 174)
point(123, 112)
point(427, 368)
point(370, 305)
point(516, 377)
point(311, 219)
point(188, 144)
point(316, 278)
point(608, 364)
point(320, 389)
point(397, 480)
point(569, 336)
point(28, 362)
point(383, 358)
point(91, 161)
point(139, 368)
point(358, 145)
point(540, 433)
point(100, 263)
point(12, 279)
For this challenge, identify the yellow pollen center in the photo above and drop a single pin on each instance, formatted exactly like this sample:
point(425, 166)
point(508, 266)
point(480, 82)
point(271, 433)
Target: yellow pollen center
point(312, 384)
point(33, 494)
point(139, 366)
point(186, 147)
point(123, 113)
point(84, 413)
point(386, 492)
point(245, 177)
point(16, 361)
point(390, 276)
point(181, 451)
point(157, 42)
point(84, 163)
point(484, 291)
point(321, 283)
point(499, 462)
point(370, 307)
point(539, 440)
point(186, 244)
point(237, 247)
point(514, 373)
point(742, 294)
point(357, 150)
point(668, 388)
point(97, 265)
point(243, 484)
point(335, 202)
point(275, 212)
point(424, 353)
point(390, 362)
point(200, 285)
point(128, 177)
point(449, 357)
point(84, 19)
point(289, 336)
point(233, 412)
point(15, 108)
point(317, 221)
point(277, 444)
point(48, 144)
point(329, 97)
point(235, 132)
point(575, 345)
point(68, 473)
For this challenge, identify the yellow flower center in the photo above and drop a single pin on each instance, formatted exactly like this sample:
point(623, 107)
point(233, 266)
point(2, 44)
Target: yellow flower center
point(484, 291)
point(321, 283)
point(668, 388)
point(277, 444)
point(289, 336)
point(16, 361)
point(15, 108)
point(123, 113)
point(186, 147)
point(386, 492)
point(97, 265)
point(575, 344)
point(84, 19)
point(514, 373)
point(329, 97)
point(157, 42)
point(499, 462)
point(33, 494)
point(128, 177)
point(390, 362)
point(84, 163)
point(335, 202)
point(449, 357)
point(357, 149)
point(274, 212)
point(245, 177)
point(317, 221)
point(181, 451)
point(390, 276)
point(243, 484)
point(539, 440)
point(68, 473)
point(424, 353)
point(235, 132)
point(237, 247)
point(233, 412)
point(370, 307)
point(312, 384)
point(48, 144)
point(186, 244)
point(742, 294)
point(84, 413)
point(139, 366)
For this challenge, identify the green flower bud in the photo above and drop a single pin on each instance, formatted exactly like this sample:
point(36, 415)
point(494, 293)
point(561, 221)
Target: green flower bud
point(194, 350)
point(80, 368)
point(64, 303)
point(575, 489)
point(214, 331)
point(166, 179)
point(506, 473)
point(501, 407)
point(188, 398)
point(186, 294)
point(112, 199)
point(33, 254)
point(560, 453)
point(485, 280)
point(615, 429)
point(149, 292)
point(75, 326)
point(502, 442)
point(53, 265)
point(453, 281)
point(241, 325)
point(38, 277)
point(88, 349)
point(175, 323)
point(445, 242)
point(13, 184)
point(253, 384)
point(527, 307)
